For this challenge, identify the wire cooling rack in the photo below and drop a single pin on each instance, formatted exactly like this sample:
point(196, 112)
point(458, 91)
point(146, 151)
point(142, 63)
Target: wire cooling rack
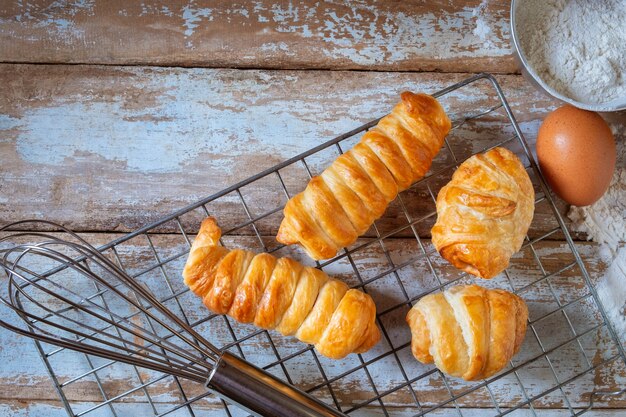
point(571, 355)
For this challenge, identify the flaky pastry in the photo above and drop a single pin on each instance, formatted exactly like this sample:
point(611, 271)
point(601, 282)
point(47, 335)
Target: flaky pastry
point(468, 331)
point(280, 294)
point(484, 212)
point(342, 203)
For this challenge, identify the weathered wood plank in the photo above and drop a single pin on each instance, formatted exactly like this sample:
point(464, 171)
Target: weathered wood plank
point(460, 36)
point(108, 148)
point(24, 378)
point(15, 408)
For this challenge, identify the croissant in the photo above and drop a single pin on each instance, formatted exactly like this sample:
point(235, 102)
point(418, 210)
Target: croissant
point(484, 212)
point(342, 203)
point(280, 294)
point(468, 331)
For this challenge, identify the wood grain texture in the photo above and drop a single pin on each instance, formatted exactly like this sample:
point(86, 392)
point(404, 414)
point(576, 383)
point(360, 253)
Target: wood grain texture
point(417, 35)
point(15, 408)
point(24, 378)
point(112, 148)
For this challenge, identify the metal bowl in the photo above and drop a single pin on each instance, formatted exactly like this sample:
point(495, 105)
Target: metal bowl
point(535, 79)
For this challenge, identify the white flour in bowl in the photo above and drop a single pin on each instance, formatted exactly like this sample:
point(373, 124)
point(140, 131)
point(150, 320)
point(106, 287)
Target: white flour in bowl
point(577, 47)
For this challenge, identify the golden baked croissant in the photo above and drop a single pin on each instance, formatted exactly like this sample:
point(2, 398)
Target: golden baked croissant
point(484, 212)
point(343, 202)
point(468, 331)
point(280, 294)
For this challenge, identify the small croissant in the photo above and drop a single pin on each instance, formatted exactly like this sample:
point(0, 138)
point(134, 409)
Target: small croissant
point(280, 294)
point(342, 203)
point(468, 331)
point(484, 212)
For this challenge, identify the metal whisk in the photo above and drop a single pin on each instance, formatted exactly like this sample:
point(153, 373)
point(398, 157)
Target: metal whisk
point(85, 302)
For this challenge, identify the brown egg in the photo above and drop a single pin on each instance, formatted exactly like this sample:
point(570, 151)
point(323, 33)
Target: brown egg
point(576, 152)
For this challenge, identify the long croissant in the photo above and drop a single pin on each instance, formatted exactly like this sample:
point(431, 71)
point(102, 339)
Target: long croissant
point(468, 331)
point(484, 212)
point(342, 203)
point(280, 294)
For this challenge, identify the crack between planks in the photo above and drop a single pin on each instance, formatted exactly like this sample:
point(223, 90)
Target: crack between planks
point(252, 68)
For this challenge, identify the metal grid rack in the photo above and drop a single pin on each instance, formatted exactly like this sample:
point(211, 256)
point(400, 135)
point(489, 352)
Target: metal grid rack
point(569, 337)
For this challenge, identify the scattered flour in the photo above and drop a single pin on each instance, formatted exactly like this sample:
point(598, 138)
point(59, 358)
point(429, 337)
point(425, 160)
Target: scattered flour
point(605, 223)
point(612, 292)
point(578, 47)
point(605, 220)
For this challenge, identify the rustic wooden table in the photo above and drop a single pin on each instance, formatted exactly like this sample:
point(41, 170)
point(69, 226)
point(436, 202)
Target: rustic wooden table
point(115, 113)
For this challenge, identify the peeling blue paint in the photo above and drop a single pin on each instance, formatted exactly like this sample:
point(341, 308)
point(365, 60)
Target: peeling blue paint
point(55, 16)
point(7, 122)
point(190, 117)
point(193, 16)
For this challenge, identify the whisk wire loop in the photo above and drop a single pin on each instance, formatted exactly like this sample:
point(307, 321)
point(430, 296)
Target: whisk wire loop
point(25, 289)
point(54, 309)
